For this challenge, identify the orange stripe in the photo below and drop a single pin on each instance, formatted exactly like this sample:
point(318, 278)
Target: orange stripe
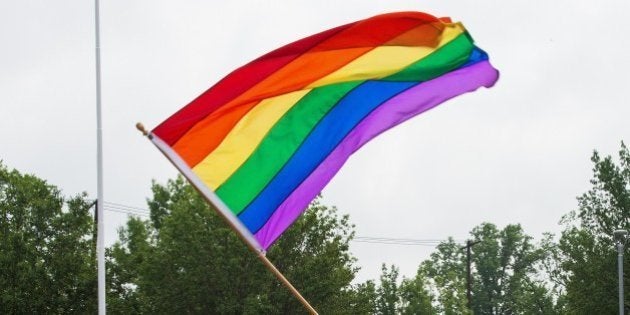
point(188, 147)
point(200, 140)
point(303, 71)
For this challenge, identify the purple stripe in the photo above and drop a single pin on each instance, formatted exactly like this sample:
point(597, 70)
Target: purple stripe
point(391, 113)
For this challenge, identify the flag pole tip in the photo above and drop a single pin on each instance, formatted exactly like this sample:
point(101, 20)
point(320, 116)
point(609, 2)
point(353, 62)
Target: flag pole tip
point(141, 128)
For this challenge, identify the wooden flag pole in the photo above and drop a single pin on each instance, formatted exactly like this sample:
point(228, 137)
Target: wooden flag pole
point(286, 282)
point(259, 253)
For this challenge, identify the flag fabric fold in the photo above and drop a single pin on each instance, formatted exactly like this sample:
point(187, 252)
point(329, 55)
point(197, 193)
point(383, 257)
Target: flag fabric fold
point(267, 138)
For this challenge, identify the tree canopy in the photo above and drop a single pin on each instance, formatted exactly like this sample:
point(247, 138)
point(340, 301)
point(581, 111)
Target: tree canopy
point(185, 259)
point(585, 267)
point(47, 262)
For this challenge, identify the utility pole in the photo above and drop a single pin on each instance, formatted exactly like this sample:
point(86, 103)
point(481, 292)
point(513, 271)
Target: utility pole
point(95, 232)
point(621, 236)
point(469, 245)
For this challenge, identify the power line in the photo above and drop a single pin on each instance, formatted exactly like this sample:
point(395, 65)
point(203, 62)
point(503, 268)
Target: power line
point(121, 208)
point(394, 243)
point(126, 212)
point(126, 206)
point(399, 241)
point(370, 238)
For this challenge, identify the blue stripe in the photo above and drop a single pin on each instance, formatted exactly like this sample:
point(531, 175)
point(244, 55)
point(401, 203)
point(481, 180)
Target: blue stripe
point(476, 55)
point(323, 139)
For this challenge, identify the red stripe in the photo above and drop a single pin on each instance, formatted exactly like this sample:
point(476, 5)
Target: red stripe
point(237, 82)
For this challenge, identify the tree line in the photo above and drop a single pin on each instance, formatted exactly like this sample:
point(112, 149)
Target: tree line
point(184, 259)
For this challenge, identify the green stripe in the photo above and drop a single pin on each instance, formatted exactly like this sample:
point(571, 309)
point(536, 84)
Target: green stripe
point(447, 58)
point(292, 129)
point(279, 144)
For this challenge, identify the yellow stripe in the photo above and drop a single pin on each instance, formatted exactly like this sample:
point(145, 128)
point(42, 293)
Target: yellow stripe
point(386, 60)
point(244, 138)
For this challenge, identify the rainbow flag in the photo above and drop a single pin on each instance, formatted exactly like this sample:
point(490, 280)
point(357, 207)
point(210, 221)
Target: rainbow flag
point(265, 140)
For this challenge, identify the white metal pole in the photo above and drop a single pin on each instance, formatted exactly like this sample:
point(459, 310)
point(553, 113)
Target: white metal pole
point(100, 242)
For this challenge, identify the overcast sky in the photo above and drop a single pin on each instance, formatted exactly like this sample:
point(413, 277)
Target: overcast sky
point(516, 153)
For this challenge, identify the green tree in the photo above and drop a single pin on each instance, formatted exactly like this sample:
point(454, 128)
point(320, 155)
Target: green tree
point(507, 268)
point(388, 297)
point(587, 268)
point(415, 296)
point(446, 271)
point(186, 260)
point(47, 262)
point(411, 296)
point(123, 297)
point(365, 298)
